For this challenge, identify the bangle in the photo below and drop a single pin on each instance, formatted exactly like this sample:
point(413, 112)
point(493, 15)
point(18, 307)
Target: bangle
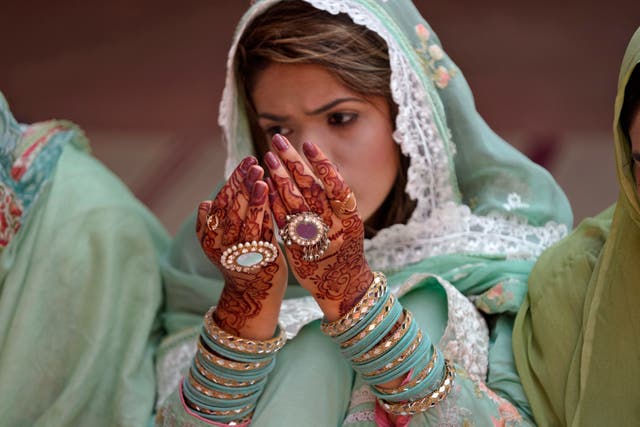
point(404, 363)
point(226, 382)
point(424, 373)
point(371, 333)
point(429, 401)
point(367, 302)
point(388, 343)
point(243, 346)
point(230, 364)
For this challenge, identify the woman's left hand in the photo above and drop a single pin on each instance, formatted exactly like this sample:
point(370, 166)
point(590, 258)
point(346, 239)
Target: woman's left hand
point(337, 276)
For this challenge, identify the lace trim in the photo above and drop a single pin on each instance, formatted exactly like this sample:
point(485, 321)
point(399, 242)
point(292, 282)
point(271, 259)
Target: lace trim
point(174, 363)
point(466, 337)
point(455, 229)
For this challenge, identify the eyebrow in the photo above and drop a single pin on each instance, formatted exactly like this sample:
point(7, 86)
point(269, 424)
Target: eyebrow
point(319, 110)
point(636, 155)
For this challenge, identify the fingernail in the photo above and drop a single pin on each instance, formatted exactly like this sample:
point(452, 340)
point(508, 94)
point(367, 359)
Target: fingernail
point(247, 163)
point(280, 142)
point(258, 194)
point(310, 150)
point(271, 160)
point(253, 174)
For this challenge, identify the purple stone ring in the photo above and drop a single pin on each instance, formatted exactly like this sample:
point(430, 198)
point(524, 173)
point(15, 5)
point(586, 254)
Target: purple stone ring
point(306, 229)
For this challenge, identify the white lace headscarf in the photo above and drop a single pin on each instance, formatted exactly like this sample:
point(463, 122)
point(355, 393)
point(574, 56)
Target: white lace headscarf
point(475, 193)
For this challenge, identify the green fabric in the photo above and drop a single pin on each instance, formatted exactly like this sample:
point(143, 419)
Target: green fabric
point(80, 292)
point(577, 336)
point(312, 384)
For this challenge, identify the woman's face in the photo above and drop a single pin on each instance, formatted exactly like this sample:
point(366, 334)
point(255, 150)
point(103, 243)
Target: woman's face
point(634, 135)
point(307, 103)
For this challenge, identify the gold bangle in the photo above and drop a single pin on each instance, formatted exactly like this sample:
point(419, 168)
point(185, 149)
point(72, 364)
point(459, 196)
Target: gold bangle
point(230, 364)
point(384, 346)
point(221, 413)
point(424, 373)
point(220, 380)
point(243, 345)
point(398, 360)
point(367, 302)
point(213, 393)
point(374, 323)
point(429, 401)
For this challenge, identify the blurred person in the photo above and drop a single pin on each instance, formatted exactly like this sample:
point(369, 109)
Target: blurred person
point(577, 335)
point(80, 287)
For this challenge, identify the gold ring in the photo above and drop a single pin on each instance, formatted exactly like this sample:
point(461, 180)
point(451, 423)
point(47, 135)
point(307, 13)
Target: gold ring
point(210, 219)
point(346, 206)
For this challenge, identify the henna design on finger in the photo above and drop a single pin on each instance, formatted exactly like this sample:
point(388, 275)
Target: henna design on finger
point(290, 197)
point(310, 188)
point(277, 205)
point(255, 214)
point(336, 187)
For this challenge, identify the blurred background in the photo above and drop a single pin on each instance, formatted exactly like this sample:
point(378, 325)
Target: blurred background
point(144, 78)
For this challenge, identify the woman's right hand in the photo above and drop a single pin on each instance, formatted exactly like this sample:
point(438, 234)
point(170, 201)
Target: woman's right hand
point(250, 301)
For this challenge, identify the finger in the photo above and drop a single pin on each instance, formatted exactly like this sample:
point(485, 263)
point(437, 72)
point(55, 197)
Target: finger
point(258, 204)
point(310, 187)
point(340, 196)
point(232, 201)
point(208, 229)
point(277, 205)
point(254, 173)
point(292, 199)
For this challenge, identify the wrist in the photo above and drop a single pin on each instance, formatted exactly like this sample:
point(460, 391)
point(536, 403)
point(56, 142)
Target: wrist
point(353, 293)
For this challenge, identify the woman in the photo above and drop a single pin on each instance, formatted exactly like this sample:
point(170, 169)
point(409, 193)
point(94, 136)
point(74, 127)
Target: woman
point(80, 285)
point(424, 196)
point(576, 335)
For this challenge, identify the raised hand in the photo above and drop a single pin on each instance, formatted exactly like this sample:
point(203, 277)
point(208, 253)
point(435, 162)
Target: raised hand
point(309, 203)
point(255, 274)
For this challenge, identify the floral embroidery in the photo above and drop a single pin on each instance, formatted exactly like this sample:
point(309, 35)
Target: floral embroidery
point(10, 213)
point(514, 201)
point(431, 55)
point(42, 132)
point(33, 154)
point(509, 415)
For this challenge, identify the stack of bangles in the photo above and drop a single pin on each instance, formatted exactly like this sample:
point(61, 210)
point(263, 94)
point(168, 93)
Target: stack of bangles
point(383, 343)
point(229, 373)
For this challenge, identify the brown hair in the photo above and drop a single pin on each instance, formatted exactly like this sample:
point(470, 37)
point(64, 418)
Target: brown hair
point(294, 32)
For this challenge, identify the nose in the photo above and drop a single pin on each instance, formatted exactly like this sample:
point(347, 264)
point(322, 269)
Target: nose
point(315, 136)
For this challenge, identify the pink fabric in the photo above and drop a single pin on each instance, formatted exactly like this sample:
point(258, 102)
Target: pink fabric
point(195, 415)
point(382, 418)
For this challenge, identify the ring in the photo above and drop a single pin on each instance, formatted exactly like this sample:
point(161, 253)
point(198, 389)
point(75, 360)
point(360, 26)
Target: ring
point(346, 206)
point(247, 257)
point(306, 229)
point(210, 218)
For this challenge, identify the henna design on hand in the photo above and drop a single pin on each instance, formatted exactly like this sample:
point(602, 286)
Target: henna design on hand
point(241, 217)
point(342, 274)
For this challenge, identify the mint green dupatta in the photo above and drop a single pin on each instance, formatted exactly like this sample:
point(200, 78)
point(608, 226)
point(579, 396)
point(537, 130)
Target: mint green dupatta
point(80, 288)
point(577, 337)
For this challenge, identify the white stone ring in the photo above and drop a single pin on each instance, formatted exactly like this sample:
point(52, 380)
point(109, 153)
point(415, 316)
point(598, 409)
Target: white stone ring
point(248, 257)
point(306, 229)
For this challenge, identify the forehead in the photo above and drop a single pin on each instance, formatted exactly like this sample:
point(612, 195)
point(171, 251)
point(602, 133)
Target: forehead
point(306, 85)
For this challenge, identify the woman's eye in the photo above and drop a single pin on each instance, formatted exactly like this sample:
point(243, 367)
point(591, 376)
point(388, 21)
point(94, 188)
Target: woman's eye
point(341, 119)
